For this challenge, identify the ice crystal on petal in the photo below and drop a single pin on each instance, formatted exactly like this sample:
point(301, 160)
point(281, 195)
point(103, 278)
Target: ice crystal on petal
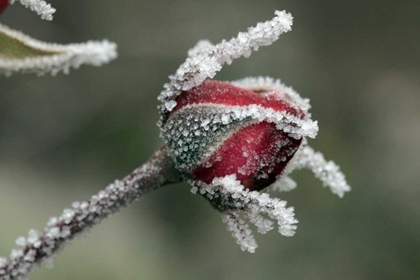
point(240, 231)
point(268, 84)
point(48, 263)
point(212, 124)
point(21, 241)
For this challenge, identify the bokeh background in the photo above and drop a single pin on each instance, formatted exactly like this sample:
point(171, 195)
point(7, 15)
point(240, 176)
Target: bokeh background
point(64, 138)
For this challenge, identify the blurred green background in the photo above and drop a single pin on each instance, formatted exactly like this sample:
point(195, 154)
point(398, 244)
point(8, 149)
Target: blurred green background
point(64, 138)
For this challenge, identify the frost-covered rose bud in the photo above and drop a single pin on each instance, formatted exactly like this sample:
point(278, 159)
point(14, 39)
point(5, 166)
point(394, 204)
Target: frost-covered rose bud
point(3, 5)
point(231, 140)
point(218, 129)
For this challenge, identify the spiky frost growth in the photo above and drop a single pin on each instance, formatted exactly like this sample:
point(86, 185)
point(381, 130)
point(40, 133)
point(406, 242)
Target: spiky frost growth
point(38, 248)
point(231, 141)
point(206, 59)
point(229, 196)
point(278, 114)
point(40, 7)
point(328, 172)
point(27, 55)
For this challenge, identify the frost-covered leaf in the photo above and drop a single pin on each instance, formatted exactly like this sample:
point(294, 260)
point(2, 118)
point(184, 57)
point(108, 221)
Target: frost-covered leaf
point(326, 171)
point(21, 53)
point(236, 203)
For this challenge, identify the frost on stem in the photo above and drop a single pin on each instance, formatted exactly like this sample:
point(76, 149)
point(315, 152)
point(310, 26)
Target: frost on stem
point(40, 7)
point(228, 140)
point(38, 247)
point(232, 140)
point(21, 53)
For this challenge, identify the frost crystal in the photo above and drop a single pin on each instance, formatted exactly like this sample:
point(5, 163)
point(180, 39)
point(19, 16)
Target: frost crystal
point(39, 247)
point(230, 197)
point(38, 6)
point(205, 59)
point(326, 171)
point(53, 58)
point(197, 129)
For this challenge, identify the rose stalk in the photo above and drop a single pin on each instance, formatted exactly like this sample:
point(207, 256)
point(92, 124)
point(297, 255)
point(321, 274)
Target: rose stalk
point(230, 141)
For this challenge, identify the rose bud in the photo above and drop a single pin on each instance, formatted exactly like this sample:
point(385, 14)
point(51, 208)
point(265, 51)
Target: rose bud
point(218, 129)
point(231, 140)
point(3, 5)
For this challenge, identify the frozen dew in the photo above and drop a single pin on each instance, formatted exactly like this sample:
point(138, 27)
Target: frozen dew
point(39, 247)
point(240, 231)
point(21, 241)
point(211, 124)
point(16, 254)
point(53, 58)
point(205, 59)
point(40, 7)
point(283, 184)
point(48, 263)
point(326, 171)
point(238, 204)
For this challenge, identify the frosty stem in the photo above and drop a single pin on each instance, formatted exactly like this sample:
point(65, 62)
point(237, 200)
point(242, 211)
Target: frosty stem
point(37, 248)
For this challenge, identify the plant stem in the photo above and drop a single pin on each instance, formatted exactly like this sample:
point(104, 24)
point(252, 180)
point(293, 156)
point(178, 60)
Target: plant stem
point(39, 247)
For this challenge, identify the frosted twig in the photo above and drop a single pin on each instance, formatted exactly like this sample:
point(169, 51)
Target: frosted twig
point(206, 59)
point(39, 247)
point(40, 7)
point(40, 57)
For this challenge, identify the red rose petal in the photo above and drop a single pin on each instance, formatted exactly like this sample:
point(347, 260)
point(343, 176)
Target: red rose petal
point(215, 92)
point(252, 151)
point(3, 5)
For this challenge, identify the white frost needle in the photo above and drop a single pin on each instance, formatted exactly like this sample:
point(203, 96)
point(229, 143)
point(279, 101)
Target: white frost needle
point(21, 53)
point(206, 59)
point(40, 7)
point(326, 171)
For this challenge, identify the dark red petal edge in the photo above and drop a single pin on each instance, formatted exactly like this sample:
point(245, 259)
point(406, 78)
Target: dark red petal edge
point(216, 92)
point(249, 153)
point(3, 5)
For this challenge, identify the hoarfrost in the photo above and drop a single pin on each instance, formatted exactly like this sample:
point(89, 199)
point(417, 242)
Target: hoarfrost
point(326, 171)
point(205, 59)
point(54, 58)
point(235, 202)
point(40, 7)
point(207, 129)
